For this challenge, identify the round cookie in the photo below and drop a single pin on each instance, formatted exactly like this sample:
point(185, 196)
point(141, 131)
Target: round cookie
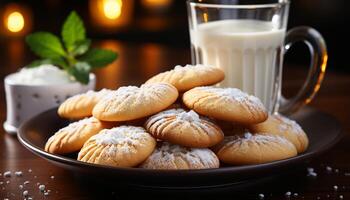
point(81, 105)
point(170, 156)
point(190, 76)
point(250, 149)
point(284, 127)
point(131, 102)
point(229, 104)
point(178, 126)
point(72, 137)
point(124, 146)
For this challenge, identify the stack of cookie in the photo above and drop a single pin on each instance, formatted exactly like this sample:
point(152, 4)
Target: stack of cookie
point(176, 120)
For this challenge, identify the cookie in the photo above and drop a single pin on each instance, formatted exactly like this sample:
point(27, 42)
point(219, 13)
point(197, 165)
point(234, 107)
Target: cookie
point(170, 156)
point(190, 76)
point(284, 127)
point(124, 146)
point(72, 137)
point(131, 102)
point(81, 105)
point(229, 104)
point(185, 128)
point(250, 149)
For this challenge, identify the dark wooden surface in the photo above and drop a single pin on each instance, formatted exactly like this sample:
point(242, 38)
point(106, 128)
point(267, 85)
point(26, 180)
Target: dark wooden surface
point(137, 63)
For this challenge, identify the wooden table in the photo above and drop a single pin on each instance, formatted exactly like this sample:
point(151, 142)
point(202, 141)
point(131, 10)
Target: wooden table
point(136, 64)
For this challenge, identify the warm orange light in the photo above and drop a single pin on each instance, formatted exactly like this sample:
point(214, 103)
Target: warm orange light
point(112, 9)
point(156, 3)
point(15, 22)
point(205, 17)
point(110, 14)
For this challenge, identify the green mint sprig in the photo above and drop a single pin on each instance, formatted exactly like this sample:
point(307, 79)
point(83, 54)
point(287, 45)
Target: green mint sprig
point(73, 53)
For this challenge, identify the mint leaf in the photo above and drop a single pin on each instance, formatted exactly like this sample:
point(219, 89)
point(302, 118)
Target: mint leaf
point(45, 45)
point(54, 61)
point(99, 57)
point(73, 30)
point(81, 47)
point(80, 71)
point(37, 63)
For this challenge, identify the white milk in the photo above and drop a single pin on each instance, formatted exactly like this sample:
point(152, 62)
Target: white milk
point(249, 51)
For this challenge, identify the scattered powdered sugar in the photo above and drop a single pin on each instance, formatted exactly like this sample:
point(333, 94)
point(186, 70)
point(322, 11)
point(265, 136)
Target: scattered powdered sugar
point(42, 188)
point(7, 174)
point(311, 174)
point(19, 173)
point(188, 116)
point(261, 196)
point(123, 135)
point(288, 194)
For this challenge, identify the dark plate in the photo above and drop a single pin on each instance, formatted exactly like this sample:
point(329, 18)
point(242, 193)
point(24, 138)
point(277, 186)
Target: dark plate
point(323, 131)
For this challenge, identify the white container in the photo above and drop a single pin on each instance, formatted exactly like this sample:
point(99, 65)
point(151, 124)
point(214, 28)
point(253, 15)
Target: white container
point(25, 101)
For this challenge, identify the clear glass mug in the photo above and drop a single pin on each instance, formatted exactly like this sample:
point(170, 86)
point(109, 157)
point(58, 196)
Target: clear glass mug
point(248, 42)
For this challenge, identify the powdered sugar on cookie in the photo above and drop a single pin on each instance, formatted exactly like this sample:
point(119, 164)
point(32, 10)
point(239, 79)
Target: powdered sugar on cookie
point(167, 156)
point(188, 116)
point(122, 135)
point(78, 124)
point(191, 67)
point(257, 138)
point(234, 94)
point(287, 123)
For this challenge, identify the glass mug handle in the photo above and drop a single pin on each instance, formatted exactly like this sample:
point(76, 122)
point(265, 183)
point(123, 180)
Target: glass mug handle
point(319, 56)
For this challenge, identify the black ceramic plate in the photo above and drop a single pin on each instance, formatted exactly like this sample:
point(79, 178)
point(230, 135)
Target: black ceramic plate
point(323, 131)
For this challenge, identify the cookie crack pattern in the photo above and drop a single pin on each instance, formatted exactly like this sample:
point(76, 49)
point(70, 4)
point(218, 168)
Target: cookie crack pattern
point(201, 99)
point(159, 130)
point(119, 104)
point(86, 155)
point(95, 154)
point(184, 160)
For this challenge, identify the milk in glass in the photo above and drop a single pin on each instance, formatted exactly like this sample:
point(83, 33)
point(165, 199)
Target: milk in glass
point(249, 51)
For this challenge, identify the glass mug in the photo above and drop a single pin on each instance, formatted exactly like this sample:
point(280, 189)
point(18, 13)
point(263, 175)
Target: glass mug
point(248, 42)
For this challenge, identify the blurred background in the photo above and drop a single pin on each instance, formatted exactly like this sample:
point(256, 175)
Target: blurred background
point(150, 22)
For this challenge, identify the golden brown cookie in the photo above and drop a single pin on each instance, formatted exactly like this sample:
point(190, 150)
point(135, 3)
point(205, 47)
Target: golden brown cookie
point(170, 156)
point(229, 104)
point(284, 127)
point(190, 76)
point(129, 103)
point(250, 149)
point(81, 105)
point(72, 137)
point(185, 128)
point(124, 146)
